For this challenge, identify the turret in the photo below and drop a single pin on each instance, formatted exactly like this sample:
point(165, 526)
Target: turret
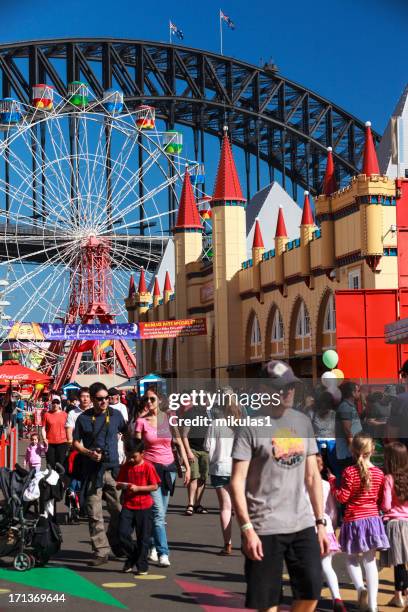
point(371, 211)
point(143, 296)
point(156, 293)
point(281, 239)
point(324, 215)
point(167, 289)
point(306, 236)
point(258, 249)
point(229, 243)
point(188, 247)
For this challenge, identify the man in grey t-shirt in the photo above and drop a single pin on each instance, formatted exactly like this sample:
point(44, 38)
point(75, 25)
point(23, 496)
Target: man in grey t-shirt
point(274, 476)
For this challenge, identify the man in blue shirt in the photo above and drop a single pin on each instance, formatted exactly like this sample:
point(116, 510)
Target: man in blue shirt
point(95, 437)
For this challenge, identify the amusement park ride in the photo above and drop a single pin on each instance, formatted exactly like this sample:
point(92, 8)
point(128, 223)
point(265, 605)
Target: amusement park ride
point(90, 171)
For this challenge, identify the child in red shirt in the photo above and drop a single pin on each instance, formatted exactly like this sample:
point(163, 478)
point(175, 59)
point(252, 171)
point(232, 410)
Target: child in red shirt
point(137, 478)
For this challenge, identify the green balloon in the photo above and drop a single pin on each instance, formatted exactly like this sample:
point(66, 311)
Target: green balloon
point(330, 359)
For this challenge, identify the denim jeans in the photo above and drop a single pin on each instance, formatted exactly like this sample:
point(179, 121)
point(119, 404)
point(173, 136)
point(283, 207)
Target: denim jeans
point(160, 503)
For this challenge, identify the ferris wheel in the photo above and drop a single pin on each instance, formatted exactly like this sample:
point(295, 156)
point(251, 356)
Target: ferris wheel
point(88, 194)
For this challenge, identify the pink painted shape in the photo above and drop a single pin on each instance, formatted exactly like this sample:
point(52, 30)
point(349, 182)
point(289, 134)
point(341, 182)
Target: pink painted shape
point(212, 599)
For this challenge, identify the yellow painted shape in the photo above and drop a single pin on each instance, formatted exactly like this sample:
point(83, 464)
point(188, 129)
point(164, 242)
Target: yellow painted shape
point(150, 577)
point(4, 591)
point(118, 585)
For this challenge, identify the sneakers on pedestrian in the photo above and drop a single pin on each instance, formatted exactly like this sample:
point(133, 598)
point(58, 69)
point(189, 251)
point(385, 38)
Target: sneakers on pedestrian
point(363, 600)
point(164, 561)
point(99, 561)
point(153, 556)
point(128, 567)
point(141, 573)
point(397, 601)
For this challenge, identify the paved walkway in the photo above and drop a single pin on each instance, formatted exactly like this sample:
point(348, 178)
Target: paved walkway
point(198, 579)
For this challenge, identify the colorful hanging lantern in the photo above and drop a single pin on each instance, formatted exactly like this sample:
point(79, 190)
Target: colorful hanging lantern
point(112, 101)
point(146, 117)
point(10, 111)
point(78, 93)
point(173, 142)
point(43, 96)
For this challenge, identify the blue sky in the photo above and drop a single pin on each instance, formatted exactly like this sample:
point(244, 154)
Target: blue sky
point(353, 52)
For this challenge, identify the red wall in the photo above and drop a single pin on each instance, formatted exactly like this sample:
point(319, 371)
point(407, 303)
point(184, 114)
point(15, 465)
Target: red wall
point(360, 319)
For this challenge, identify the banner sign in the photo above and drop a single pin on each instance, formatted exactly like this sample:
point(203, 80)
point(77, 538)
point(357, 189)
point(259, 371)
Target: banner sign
point(105, 331)
point(173, 329)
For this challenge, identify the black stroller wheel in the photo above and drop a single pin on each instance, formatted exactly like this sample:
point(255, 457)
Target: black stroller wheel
point(22, 562)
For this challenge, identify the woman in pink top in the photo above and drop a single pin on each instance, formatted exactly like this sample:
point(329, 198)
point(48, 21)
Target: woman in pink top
point(158, 437)
point(395, 507)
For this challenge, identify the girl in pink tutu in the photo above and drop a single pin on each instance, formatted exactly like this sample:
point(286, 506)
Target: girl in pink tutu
point(362, 532)
point(330, 514)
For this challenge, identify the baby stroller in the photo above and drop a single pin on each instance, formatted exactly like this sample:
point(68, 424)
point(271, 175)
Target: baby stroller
point(30, 537)
point(72, 494)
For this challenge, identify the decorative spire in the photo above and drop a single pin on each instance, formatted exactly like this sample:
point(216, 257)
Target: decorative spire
point(258, 242)
point(227, 186)
point(142, 288)
point(132, 288)
point(280, 225)
point(307, 216)
point(156, 289)
point(167, 283)
point(370, 161)
point(188, 216)
point(329, 182)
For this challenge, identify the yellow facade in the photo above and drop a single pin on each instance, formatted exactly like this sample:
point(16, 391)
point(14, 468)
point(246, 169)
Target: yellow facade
point(279, 304)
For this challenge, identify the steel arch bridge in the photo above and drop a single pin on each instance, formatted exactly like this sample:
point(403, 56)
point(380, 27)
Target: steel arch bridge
point(274, 120)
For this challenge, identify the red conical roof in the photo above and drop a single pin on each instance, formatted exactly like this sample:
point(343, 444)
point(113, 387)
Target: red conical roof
point(258, 240)
point(227, 186)
point(280, 225)
point(156, 289)
point(188, 216)
point(167, 283)
point(142, 288)
point(132, 288)
point(329, 182)
point(307, 216)
point(370, 161)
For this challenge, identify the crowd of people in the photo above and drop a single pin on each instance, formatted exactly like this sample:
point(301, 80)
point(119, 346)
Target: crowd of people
point(327, 474)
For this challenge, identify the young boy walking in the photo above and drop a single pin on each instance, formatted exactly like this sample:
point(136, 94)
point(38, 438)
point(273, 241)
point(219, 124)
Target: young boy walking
point(137, 478)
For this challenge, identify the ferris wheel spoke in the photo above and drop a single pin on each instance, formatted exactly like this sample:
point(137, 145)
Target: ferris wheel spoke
point(140, 202)
point(37, 297)
point(20, 172)
point(56, 188)
point(22, 282)
point(132, 183)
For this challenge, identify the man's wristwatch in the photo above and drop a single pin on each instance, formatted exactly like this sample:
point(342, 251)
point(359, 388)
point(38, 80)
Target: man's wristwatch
point(321, 521)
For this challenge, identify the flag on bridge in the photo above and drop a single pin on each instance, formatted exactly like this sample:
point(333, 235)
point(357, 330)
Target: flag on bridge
point(175, 31)
point(227, 20)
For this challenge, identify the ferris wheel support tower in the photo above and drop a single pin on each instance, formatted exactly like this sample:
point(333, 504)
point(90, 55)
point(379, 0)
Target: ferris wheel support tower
point(91, 275)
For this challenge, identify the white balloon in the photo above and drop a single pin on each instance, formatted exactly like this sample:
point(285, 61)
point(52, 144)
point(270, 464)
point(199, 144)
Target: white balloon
point(329, 379)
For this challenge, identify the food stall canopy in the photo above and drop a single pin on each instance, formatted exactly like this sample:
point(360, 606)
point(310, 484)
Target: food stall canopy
point(13, 372)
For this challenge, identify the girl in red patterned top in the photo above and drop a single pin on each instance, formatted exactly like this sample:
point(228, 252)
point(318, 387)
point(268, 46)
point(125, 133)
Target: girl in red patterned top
point(362, 531)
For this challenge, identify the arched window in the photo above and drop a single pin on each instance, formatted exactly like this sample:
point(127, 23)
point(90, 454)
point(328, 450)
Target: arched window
point(303, 322)
point(167, 355)
point(155, 361)
point(329, 323)
point(255, 340)
point(302, 330)
point(277, 327)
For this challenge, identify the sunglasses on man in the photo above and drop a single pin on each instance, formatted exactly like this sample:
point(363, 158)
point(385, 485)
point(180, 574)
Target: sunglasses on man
point(101, 398)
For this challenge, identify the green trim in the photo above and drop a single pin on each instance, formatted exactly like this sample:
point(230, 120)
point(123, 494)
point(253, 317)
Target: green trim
point(218, 203)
